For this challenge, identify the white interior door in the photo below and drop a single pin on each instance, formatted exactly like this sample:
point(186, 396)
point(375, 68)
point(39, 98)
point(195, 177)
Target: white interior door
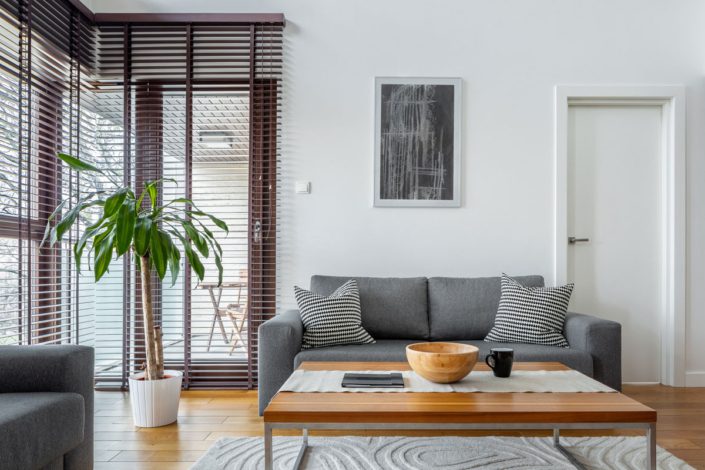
point(614, 200)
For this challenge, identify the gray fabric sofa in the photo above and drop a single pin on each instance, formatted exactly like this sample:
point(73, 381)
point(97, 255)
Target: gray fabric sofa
point(46, 407)
point(401, 311)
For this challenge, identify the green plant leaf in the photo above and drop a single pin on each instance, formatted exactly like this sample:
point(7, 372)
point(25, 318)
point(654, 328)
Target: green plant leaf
point(219, 223)
point(219, 265)
point(152, 191)
point(80, 245)
point(192, 257)
point(53, 215)
point(109, 228)
point(125, 226)
point(104, 251)
point(211, 239)
point(65, 224)
point(158, 250)
point(174, 261)
point(71, 217)
point(113, 203)
point(180, 200)
point(77, 164)
point(57, 232)
point(143, 230)
point(196, 237)
point(105, 228)
point(150, 187)
point(160, 180)
point(83, 205)
point(141, 198)
point(217, 252)
point(194, 261)
point(206, 238)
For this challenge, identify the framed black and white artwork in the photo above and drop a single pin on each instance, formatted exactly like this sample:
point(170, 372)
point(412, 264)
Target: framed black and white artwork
point(417, 142)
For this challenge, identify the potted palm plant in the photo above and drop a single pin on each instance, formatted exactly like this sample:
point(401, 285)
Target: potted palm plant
point(152, 232)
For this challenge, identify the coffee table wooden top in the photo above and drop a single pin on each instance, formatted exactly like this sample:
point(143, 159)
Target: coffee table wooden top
point(391, 407)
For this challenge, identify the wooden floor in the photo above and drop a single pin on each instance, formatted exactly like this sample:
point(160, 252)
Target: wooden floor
point(208, 415)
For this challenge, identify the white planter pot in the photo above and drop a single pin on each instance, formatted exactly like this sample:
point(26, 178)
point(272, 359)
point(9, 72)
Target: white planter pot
point(155, 402)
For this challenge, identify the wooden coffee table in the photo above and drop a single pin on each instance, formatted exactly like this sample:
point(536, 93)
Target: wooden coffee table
point(454, 411)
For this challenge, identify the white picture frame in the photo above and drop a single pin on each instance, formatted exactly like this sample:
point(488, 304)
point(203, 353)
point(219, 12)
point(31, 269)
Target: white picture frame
point(416, 163)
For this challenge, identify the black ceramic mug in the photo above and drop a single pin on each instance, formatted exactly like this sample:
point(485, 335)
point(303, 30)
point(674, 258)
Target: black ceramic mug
point(500, 361)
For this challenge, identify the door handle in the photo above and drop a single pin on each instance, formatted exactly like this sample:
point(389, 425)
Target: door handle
point(258, 232)
point(573, 240)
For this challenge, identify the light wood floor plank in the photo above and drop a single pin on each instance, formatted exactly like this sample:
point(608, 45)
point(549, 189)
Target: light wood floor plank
point(142, 465)
point(157, 456)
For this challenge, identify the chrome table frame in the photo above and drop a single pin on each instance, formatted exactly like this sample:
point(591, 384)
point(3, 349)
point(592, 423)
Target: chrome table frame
point(650, 429)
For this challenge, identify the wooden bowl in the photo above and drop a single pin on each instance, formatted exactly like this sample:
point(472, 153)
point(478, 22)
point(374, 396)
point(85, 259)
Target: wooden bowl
point(442, 363)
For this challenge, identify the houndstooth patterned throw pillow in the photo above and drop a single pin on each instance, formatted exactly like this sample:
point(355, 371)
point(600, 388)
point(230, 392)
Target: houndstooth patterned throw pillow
point(334, 320)
point(533, 315)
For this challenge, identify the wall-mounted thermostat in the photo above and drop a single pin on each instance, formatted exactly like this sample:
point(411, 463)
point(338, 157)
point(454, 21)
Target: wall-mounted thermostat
point(303, 187)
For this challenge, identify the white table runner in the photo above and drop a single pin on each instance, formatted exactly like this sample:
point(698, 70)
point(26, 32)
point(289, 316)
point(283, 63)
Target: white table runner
point(571, 381)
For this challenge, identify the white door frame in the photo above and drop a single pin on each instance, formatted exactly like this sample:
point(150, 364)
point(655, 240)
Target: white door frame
point(671, 98)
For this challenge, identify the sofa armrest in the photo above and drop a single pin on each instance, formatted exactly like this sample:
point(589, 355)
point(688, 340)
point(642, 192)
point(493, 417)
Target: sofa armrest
point(54, 368)
point(279, 342)
point(603, 340)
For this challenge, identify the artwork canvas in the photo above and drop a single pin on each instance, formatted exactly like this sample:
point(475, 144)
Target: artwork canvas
point(417, 142)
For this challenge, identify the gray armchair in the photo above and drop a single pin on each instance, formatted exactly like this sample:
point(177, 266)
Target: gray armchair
point(46, 407)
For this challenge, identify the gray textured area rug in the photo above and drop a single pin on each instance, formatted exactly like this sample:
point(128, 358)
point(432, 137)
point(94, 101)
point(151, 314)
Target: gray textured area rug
point(422, 453)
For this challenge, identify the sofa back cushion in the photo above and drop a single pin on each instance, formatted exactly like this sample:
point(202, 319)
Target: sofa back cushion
point(464, 308)
point(392, 308)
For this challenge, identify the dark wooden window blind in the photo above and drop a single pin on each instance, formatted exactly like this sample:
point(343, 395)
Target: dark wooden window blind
point(201, 106)
point(46, 50)
point(197, 102)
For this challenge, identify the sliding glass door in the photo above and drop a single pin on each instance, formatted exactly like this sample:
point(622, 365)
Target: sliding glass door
point(201, 114)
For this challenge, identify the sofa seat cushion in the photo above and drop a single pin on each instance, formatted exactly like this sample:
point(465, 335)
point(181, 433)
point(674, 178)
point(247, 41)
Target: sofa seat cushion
point(392, 308)
point(465, 308)
point(381, 351)
point(36, 428)
point(395, 350)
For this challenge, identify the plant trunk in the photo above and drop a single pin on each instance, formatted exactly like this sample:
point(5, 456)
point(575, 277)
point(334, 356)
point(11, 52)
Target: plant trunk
point(154, 371)
point(159, 348)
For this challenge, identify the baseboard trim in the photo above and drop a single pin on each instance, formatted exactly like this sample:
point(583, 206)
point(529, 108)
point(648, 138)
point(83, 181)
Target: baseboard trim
point(692, 379)
point(695, 378)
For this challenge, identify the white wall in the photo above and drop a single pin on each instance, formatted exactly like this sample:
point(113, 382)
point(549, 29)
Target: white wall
point(510, 55)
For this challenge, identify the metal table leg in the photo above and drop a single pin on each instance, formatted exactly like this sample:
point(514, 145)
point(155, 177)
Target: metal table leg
point(562, 450)
point(268, 462)
point(269, 454)
point(651, 447)
point(302, 450)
